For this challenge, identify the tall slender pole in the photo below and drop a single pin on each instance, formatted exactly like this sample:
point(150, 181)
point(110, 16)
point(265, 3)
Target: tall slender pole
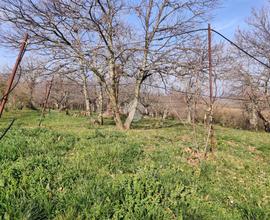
point(13, 74)
point(47, 95)
point(211, 100)
point(210, 64)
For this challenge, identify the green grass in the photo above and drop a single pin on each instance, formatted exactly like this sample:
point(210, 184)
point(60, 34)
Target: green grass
point(69, 169)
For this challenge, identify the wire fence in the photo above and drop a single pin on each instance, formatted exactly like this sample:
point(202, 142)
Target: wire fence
point(169, 89)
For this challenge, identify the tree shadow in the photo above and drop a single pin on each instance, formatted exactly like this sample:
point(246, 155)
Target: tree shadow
point(150, 125)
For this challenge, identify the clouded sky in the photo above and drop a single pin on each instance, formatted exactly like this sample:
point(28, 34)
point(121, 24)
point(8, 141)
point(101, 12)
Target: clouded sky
point(230, 15)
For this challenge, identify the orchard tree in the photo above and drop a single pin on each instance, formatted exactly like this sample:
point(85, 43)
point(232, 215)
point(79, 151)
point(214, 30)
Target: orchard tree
point(254, 78)
point(113, 39)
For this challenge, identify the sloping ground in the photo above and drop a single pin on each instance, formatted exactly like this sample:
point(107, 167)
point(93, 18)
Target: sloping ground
point(71, 170)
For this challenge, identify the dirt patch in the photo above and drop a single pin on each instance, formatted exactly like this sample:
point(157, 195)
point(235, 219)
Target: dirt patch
point(194, 156)
point(184, 138)
point(252, 149)
point(149, 149)
point(232, 144)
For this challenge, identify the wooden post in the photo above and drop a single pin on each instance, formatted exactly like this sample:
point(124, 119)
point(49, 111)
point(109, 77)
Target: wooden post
point(13, 74)
point(211, 100)
point(47, 95)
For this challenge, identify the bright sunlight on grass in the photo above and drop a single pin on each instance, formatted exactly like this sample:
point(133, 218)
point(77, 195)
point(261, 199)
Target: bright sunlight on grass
point(69, 169)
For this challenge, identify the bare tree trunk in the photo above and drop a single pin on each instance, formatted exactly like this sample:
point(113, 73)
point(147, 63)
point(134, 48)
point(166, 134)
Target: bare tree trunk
point(100, 104)
point(189, 114)
point(31, 103)
point(109, 111)
point(253, 117)
point(165, 114)
point(113, 93)
point(64, 102)
point(86, 94)
point(116, 112)
point(266, 122)
point(133, 107)
point(193, 118)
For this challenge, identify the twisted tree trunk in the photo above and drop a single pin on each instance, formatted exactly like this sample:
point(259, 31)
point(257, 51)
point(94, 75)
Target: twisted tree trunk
point(113, 91)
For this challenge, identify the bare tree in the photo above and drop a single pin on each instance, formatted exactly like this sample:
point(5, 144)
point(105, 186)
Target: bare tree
point(54, 29)
point(95, 35)
point(161, 24)
point(254, 78)
point(32, 71)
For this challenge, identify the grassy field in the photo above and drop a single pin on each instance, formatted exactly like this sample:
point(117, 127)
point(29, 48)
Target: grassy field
point(69, 169)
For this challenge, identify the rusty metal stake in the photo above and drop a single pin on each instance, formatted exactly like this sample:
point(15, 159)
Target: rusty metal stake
point(13, 74)
point(47, 95)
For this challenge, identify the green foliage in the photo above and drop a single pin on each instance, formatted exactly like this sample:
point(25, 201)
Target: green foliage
point(69, 169)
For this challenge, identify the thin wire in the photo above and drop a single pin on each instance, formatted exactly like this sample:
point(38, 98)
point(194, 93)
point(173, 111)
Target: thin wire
point(241, 49)
point(193, 93)
point(224, 37)
point(7, 129)
point(170, 90)
point(200, 30)
point(189, 32)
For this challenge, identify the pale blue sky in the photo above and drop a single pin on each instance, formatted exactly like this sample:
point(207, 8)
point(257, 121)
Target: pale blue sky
point(230, 15)
point(233, 13)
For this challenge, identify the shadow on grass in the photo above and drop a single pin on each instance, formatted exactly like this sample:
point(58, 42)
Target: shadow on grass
point(150, 124)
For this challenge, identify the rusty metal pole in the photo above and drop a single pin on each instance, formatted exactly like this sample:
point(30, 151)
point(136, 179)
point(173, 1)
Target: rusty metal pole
point(211, 100)
point(13, 74)
point(47, 95)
